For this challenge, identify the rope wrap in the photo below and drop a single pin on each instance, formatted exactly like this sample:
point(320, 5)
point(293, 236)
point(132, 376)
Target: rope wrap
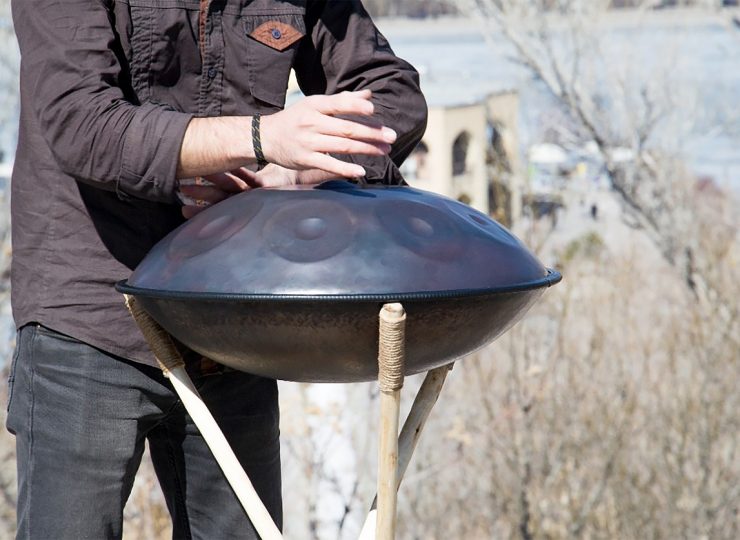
point(158, 339)
point(257, 140)
point(391, 350)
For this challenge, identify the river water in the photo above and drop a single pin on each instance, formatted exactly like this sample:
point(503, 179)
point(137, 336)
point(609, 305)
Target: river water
point(695, 56)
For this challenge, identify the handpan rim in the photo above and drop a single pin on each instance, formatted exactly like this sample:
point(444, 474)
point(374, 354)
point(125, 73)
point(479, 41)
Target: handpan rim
point(552, 278)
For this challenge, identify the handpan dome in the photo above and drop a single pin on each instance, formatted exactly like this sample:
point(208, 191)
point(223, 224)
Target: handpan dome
point(288, 282)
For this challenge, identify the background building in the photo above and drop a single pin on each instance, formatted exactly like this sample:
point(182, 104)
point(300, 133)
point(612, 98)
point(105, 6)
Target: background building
point(470, 152)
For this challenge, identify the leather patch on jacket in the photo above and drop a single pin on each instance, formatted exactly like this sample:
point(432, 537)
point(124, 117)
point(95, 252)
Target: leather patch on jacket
point(277, 35)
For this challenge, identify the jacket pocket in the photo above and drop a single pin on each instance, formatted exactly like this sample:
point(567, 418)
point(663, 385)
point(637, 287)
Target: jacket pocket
point(272, 42)
point(163, 52)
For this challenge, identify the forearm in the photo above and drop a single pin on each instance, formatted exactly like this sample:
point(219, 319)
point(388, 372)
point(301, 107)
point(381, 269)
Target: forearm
point(214, 145)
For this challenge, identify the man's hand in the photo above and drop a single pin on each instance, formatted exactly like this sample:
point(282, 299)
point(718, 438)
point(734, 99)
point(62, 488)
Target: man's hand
point(216, 188)
point(301, 136)
point(298, 138)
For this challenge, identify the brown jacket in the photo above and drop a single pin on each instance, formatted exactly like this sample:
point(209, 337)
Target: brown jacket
point(107, 90)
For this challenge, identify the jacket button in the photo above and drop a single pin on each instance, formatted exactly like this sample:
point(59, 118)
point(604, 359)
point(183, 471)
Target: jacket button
point(276, 34)
point(211, 73)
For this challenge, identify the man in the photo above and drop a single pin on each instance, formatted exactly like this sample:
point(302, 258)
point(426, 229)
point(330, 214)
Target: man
point(119, 100)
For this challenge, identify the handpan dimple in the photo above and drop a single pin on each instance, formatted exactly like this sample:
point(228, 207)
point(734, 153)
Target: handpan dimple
point(309, 231)
point(311, 228)
point(422, 229)
point(486, 226)
point(218, 225)
point(203, 234)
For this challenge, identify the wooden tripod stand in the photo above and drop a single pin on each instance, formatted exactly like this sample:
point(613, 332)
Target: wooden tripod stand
point(394, 451)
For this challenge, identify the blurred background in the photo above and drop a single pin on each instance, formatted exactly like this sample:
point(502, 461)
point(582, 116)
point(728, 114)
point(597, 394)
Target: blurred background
point(606, 135)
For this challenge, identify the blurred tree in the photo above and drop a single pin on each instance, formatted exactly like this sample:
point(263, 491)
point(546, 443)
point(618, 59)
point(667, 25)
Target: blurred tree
point(618, 107)
point(9, 66)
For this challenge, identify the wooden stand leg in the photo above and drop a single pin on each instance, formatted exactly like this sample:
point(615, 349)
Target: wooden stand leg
point(390, 376)
point(173, 366)
point(410, 434)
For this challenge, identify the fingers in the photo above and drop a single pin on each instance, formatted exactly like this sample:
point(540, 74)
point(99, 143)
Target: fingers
point(228, 182)
point(324, 168)
point(357, 131)
point(344, 103)
point(220, 187)
point(313, 176)
point(339, 145)
point(299, 138)
point(337, 167)
point(207, 194)
point(250, 178)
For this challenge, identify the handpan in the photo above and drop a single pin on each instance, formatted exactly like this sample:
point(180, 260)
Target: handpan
point(287, 283)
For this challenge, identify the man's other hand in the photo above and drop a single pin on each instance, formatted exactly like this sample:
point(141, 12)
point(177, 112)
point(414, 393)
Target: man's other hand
point(215, 188)
point(276, 176)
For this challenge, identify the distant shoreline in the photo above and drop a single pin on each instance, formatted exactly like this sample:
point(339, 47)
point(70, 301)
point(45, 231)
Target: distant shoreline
point(627, 18)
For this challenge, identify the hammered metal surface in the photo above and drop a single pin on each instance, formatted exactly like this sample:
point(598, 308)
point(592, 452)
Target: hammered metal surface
point(337, 239)
point(334, 341)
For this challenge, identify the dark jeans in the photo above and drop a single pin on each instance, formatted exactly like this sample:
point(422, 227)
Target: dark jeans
point(81, 417)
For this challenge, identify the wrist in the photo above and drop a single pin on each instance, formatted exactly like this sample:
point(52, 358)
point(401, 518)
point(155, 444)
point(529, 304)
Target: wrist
point(240, 149)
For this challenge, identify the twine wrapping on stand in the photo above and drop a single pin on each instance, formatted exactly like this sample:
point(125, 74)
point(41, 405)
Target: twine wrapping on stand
point(159, 341)
point(391, 348)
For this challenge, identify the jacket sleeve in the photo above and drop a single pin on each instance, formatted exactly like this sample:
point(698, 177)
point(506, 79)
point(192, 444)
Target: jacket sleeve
point(71, 79)
point(345, 51)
